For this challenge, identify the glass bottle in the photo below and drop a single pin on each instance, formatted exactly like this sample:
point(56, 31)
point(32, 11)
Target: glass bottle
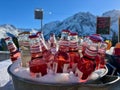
point(73, 50)
point(61, 58)
point(101, 55)
point(40, 35)
point(37, 65)
point(97, 41)
point(87, 64)
point(48, 56)
point(23, 39)
point(35, 47)
point(14, 53)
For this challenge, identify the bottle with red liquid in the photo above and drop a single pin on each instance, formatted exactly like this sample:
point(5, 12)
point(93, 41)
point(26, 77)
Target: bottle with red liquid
point(61, 58)
point(73, 50)
point(37, 65)
point(87, 64)
point(14, 53)
point(94, 43)
point(48, 56)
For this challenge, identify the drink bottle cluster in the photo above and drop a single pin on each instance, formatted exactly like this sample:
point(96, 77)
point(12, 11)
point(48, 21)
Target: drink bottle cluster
point(82, 56)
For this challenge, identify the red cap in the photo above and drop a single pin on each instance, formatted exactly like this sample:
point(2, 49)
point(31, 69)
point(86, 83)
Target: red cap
point(38, 33)
point(95, 38)
point(33, 36)
point(67, 31)
point(73, 34)
point(7, 38)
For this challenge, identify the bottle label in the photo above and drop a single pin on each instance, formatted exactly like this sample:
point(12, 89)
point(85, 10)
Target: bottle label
point(65, 68)
point(73, 44)
point(64, 43)
point(90, 52)
point(12, 47)
point(35, 49)
point(24, 43)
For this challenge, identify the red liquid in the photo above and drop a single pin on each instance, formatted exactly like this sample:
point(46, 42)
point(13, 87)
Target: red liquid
point(48, 56)
point(38, 66)
point(86, 66)
point(74, 59)
point(14, 56)
point(116, 51)
point(61, 58)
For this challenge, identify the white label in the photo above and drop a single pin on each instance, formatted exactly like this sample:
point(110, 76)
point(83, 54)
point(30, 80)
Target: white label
point(55, 65)
point(12, 48)
point(65, 68)
point(35, 49)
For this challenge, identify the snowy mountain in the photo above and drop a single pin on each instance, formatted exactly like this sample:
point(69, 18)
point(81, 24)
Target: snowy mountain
point(114, 14)
point(12, 31)
point(83, 22)
point(9, 30)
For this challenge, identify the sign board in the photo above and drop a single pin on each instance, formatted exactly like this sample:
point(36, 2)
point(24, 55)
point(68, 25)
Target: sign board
point(103, 25)
point(38, 14)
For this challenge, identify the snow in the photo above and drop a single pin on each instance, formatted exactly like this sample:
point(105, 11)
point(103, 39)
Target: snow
point(4, 29)
point(4, 76)
point(22, 72)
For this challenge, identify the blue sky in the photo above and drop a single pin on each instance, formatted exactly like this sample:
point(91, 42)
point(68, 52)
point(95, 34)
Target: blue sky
point(20, 13)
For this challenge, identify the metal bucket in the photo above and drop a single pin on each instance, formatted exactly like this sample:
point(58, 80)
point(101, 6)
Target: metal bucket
point(25, 84)
point(105, 83)
point(115, 61)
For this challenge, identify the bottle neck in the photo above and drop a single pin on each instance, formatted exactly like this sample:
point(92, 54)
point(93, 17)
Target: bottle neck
point(43, 45)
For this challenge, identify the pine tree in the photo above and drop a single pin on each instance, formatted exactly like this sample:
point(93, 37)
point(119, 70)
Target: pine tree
point(3, 45)
point(114, 38)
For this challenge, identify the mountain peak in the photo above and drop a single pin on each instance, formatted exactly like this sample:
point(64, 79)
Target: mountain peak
point(8, 26)
point(112, 13)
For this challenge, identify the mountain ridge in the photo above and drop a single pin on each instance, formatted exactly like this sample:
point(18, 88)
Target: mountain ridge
point(82, 22)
